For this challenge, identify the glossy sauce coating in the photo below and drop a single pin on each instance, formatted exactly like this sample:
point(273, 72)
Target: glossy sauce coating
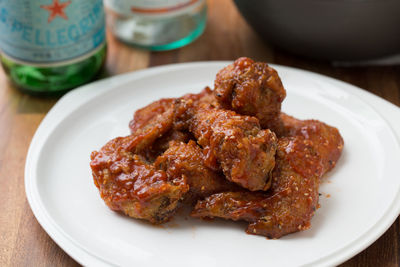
point(244, 152)
point(210, 148)
point(306, 150)
point(187, 160)
point(251, 88)
point(146, 115)
point(326, 139)
point(288, 206)
point(128, 184)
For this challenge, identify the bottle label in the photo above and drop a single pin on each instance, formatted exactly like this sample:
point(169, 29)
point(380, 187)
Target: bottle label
point(45, 32)
point(149, 7)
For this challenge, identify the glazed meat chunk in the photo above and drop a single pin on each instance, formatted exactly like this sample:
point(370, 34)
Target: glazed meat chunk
point(251, 88)
point(187, 160)
point(152, 113)
point(326, 139)
point(229, 152)
point(306, 151)
point(128, 184)
point(150, 124)
point(168, 122)
point(236, 144)
point(288, 206)
point(164, 142)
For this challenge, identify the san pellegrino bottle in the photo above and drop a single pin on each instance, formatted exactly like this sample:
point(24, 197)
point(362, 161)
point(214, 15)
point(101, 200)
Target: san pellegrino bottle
point(157, 24)
point(50, 46)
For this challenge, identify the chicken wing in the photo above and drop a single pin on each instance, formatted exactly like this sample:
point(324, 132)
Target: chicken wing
point(235, 144)
point(186, 160)
point(168, 121)
point(326, 139)
point(147, 127)
point(251, 88)
point(288, 206)
point(126, 176)
point(151, 113)
point(307, 149)
point(161, 144)
point(211, 148)
point(128, 184)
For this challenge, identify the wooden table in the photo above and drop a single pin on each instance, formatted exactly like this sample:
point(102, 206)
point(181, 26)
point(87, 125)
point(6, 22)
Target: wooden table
point(22, 240)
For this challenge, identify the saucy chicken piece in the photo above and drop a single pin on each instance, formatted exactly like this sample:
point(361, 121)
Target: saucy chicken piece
point(163, 143)
point(168, 121)
point(148, 174)
point(251, 88)
point(289, 205)
point(128, 184)
point(150, 114)
point(236, 144)
point(127, 179)
point(151, 128)
point(158, 116)
point(326, 139)
point(186, 160)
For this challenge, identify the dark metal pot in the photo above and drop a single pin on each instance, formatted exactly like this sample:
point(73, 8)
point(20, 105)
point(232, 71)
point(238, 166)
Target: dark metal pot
point(327, 29)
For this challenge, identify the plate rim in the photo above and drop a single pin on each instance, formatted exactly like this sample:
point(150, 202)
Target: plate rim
point(85, 257)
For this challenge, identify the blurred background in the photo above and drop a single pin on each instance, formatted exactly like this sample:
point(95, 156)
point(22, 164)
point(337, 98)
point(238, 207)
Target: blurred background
point(355, 41)
point(320, 36)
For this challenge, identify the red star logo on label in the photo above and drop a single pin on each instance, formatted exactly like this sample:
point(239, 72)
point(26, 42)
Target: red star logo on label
point(56, 9)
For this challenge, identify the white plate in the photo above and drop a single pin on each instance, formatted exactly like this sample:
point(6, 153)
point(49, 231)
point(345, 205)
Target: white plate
point(364, 187)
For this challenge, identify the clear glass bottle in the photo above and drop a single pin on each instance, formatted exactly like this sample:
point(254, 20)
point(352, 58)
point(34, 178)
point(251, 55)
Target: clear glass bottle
point(157, 24)
point(50, 46)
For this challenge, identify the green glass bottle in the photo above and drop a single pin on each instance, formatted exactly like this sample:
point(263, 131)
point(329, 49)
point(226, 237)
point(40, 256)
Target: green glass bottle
point(50, 46)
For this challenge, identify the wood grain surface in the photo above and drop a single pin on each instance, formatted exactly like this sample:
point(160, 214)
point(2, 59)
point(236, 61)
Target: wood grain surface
point(22, 240)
